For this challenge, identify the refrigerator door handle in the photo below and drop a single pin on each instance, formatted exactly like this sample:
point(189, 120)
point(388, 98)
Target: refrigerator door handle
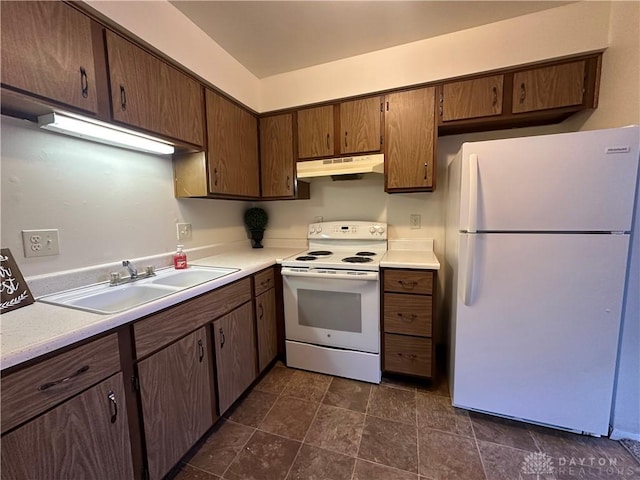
point(467, 279)
point(472, 221)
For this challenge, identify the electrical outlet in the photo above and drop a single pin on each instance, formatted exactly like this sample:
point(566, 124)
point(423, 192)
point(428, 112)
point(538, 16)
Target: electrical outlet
point(414, 221)
point(184, 231)
point(40, 243)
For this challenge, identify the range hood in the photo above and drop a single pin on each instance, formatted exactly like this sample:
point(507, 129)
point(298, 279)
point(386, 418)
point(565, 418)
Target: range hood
point(347, 168)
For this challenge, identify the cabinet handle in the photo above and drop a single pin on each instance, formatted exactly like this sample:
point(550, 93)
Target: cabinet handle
point(408, 285)
point(495, 96)
point(261, 311)
point(410, 356)
point(78, 372)
point(407, 318)
point(327, 142)
point(288, 182)
point(441, 104)
point(84, 82)
point(201, 350)
point(123, 98)
point(345, 139)
point(523, 92)
point(222, 339)
point(426, 165)
point(215, 176)
point(265, 283)
point(114, 404)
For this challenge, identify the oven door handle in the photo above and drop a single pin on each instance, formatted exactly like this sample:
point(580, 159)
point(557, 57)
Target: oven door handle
point(355, 275)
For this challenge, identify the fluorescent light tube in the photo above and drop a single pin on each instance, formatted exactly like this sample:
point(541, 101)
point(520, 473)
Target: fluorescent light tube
point(103, 133)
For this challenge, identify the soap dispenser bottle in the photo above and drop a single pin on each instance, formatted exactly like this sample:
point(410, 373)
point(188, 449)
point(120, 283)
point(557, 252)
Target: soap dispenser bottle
point(180, 259)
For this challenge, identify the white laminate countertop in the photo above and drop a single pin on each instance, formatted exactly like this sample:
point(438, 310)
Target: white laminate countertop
point(410, 254)
point(39, 328)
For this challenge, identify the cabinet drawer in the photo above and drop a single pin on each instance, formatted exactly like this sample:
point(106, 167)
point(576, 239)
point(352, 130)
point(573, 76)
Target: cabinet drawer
point(30, 391)
point(409, 355)
point(263, 281)
point(408, 281)
point(162, 328)
point(408, 314)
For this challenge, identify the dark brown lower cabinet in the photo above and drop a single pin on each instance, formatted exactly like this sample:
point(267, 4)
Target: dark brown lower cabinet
point(87, 437)
point(267, 328)
point(175, 392)
point(235, 354)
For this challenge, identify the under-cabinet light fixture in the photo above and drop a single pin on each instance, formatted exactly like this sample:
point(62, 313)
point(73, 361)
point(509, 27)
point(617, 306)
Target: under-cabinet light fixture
point(95, 131)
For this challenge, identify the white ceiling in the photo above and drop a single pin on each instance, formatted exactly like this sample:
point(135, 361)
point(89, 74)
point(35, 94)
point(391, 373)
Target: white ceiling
point(271, 37)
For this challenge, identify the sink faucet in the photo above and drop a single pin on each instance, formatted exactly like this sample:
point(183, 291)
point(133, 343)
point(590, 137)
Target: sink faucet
point(133, 273)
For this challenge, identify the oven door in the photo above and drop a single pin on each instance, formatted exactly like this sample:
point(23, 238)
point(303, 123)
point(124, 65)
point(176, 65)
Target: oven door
point(334, 308)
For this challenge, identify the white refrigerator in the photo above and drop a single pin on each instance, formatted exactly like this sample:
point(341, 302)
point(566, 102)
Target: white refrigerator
point(537, 242)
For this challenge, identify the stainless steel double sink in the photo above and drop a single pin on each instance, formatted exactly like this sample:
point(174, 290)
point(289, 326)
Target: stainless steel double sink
point(106, 299)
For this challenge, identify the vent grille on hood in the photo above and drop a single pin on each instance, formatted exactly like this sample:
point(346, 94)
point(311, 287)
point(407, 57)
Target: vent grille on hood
point(349, 167)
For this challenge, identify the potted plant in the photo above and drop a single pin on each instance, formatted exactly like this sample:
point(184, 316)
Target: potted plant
point(256, 220)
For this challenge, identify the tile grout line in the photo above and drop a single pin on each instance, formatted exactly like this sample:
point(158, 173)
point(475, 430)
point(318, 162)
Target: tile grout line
point(308, 429)
point(475, 439)
point(417, 434)
point(364, 422)
point(255, 429)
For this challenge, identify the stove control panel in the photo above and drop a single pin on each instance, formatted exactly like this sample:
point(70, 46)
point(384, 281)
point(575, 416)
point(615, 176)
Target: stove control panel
point(355, 230)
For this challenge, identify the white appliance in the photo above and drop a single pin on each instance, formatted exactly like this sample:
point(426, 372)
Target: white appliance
point(537, 241)
point(332, 300)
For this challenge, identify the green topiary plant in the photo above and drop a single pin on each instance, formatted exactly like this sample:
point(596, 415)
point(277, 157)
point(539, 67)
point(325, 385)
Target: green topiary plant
point(256, 220)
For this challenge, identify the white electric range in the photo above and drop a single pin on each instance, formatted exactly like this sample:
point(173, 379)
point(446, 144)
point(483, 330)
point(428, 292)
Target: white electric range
point(332, 300)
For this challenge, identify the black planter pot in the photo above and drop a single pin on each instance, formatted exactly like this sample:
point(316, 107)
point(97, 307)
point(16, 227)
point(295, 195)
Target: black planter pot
point(256, 238)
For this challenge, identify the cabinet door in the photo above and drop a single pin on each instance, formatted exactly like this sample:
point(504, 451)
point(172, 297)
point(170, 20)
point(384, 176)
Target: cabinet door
point(315, 132)
point(548, 87)
point(232, 134)
point(235, 354)
point(480, 97)
point(276, 156)
point(267, 328)
point(175, 393)
point(150, 94)
point(410, 137)
point(85, 437)
point(47, 51)
point(360, 126)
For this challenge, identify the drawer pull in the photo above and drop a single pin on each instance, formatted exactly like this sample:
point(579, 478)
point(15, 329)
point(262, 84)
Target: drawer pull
point(407, 318)
point(265, 283)
point(112, 398)
point(411, 356)
point(48, 385)
point(408, 285)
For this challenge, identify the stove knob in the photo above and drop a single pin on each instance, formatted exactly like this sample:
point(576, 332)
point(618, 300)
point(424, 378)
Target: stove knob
point(372, 229)
point(312, 230)
point(380, 229)
point(319, 229)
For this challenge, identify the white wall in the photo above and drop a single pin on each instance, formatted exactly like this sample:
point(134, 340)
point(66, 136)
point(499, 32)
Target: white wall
point(108, 203)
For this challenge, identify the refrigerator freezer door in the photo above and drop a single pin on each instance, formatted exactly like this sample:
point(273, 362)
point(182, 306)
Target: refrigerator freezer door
point(536, 337)
point(579, 182)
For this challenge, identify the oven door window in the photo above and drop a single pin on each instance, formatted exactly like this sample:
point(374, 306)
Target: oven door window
point(337, 311)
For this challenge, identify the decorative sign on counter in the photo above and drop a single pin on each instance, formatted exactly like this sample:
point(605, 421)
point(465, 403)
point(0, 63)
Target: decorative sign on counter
point(15, 291)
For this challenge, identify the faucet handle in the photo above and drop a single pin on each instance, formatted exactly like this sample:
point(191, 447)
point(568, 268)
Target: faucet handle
point(114, 278)
point(150, 270)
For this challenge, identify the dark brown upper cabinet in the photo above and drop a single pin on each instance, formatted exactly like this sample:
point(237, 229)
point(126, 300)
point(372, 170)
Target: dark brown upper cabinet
point(549, 87)
point(410, 140)
point(232, 148)
point(350, 127)
point(47, 52)
point(152, 95)
point(479, 97)
point(277, 161)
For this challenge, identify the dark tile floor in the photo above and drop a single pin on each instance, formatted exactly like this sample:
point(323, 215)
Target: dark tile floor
point(300, 425)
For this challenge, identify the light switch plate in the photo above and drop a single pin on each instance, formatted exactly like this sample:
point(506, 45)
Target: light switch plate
point(414, 221)
point(40, 243)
